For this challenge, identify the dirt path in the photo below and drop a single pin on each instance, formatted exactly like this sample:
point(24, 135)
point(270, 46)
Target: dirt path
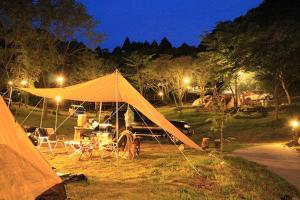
point(279, 159)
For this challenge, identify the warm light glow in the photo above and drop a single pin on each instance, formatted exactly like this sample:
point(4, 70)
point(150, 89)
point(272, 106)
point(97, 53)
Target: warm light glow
point(240, 73)
point(160, 94)
point(60, 80)
point(10, 83)
point(23, 82)
point(188, 87)
point(58, 99)
point(186, 80)
point(294, 123)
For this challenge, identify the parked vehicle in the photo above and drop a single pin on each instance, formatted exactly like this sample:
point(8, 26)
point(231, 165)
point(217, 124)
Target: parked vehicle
point(76, 110)
point(142, 125)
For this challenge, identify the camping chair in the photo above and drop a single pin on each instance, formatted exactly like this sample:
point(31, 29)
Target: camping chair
point(106, 144)
point(83, 148)
point(127, 146)
point(48, 136)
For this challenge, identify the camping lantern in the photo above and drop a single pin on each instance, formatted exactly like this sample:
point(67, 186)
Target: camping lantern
point(81, 120)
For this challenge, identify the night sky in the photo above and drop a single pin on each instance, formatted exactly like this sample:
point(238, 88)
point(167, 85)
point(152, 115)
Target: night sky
point(178, 20)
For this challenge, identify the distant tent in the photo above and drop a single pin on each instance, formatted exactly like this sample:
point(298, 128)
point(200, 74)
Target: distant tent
point(113, 88)
point(24, 173)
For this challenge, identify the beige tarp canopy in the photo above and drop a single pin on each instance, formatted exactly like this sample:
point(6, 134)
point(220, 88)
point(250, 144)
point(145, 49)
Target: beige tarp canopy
point(24, 173)
point(113, 88)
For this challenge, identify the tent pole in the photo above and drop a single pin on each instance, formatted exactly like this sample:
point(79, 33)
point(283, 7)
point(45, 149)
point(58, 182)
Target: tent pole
point(41, 122)
point(56, 116)
point(117, 114)
point(100, 110)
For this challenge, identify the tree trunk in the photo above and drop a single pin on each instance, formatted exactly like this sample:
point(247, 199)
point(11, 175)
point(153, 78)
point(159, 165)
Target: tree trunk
point(222, 133)
point(276, 101)
point(175, 100)
point(236, 95)
point(233, 94)
point(285, 90)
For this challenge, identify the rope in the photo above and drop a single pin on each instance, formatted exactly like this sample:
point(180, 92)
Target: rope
point(31, 111)
point(148, 128)
point(190, 163)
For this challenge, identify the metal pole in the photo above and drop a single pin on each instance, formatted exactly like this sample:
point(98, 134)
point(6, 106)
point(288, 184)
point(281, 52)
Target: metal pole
point(10, 94)
point(41, 122)
point(117, 114)
point(100, 110)
point(56, 116)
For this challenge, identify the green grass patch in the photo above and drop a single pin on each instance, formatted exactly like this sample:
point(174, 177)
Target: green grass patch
point(163, 173)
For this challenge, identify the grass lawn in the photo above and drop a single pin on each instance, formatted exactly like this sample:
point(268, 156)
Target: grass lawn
point(161, 172)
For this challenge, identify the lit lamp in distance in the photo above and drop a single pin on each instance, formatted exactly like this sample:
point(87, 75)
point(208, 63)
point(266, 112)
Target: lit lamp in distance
point(186, 80)
point(161, 94)
point(60, 80)
point(294, 123)
point(24, 83)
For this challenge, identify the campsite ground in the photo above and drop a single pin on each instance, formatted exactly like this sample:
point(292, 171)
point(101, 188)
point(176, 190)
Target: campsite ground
point(161, 172)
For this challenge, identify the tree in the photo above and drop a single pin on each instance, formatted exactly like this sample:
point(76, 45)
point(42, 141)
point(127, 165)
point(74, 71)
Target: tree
point(173, 72)
point(154, 45)
point(264, 41)
point(33, 33)
point(165, 44)
point(127, 47)
point(138, 62)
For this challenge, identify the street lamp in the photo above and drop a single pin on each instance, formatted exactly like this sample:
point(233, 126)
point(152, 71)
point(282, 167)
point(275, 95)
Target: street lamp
point(161, 94)
point(60, 80)
point(186, 80)
point(24, 83)
point(10, 83)
point(295, 125)
point(57, 99)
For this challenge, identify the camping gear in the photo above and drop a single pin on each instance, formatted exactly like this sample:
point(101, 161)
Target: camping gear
point(24, 172)
point(113, 88)
point(49, 137)
point(129, 117)
point(205, 143)
point(127, 146)
point(81, 120)
point(71, 178)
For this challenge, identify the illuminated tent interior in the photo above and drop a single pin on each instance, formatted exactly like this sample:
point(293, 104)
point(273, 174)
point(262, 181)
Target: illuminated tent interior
point(113, 88)
point(24, 173)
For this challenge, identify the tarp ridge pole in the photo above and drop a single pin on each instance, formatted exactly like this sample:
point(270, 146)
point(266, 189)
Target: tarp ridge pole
point(56, 116)
point(117, 114)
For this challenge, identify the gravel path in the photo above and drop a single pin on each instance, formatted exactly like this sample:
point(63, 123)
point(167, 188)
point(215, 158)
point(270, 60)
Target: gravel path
point(279, 159)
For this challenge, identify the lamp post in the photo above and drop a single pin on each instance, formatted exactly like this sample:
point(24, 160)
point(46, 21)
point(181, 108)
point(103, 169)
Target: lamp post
point(10, 84)
point(57, 99)
point(24, 84)
point(295, 125)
